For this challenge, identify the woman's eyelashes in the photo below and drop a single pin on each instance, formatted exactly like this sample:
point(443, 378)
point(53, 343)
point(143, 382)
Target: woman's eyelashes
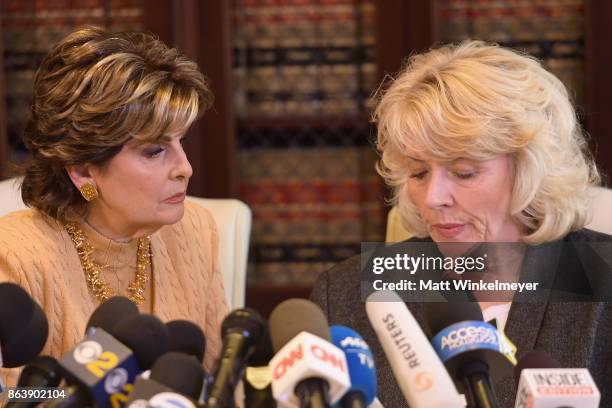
point(154, 151)
point(465, 175)
point(460, 174)
point(419, 175)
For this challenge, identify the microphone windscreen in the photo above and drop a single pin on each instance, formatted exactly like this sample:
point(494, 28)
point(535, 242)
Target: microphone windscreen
point(186, 337)
point(146, 336)
point(294, 316)
point(245, 320)
point(534, 359)
point(42, 371)
point(263, 351)
point(440, 315)
point(26, 342)
point(181, 372)
point(112, 312)
point(16, 305)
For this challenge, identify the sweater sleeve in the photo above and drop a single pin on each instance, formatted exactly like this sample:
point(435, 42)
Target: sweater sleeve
point(216, 304)
point(12, 269)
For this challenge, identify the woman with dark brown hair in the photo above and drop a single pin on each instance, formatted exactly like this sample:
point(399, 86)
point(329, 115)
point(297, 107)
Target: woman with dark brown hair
point(106, 185)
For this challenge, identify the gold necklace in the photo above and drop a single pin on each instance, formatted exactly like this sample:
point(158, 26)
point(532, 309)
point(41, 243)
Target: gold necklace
point(99, 288)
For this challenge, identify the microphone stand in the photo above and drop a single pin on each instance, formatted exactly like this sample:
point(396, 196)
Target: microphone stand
point(313, 393)
point(478, 383)
point(353, 399)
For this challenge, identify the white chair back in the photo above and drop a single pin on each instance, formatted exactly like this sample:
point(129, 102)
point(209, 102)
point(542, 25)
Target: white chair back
point(233, 219)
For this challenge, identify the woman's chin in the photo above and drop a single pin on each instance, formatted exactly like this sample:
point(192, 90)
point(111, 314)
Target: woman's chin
point(171, 215)
point(444, 236)
point(455, 245)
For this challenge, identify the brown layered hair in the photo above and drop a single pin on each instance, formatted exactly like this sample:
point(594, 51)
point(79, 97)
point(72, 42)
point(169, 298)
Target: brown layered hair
point(95, 91)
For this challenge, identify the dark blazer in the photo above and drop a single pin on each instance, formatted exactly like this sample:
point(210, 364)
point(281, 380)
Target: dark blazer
point(576, 333)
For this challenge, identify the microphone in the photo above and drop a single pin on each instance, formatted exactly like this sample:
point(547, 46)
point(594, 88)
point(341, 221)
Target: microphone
point(241, 331)
point(23, 326)
point(542, 384)
point(307, 370)
point(420, 374)
point(112, 312)
point(257, 378)
point(146, 336)
point(469, 347)
point(186, 337)
point(103, 366)
point(176, 380)
point(42, 371)
point(362, 370)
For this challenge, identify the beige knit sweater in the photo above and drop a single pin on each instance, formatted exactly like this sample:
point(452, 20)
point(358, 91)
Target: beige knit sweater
point(36, 252)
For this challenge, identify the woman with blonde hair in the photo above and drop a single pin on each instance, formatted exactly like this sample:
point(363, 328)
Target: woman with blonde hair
point(480, 144)
point(106, 184)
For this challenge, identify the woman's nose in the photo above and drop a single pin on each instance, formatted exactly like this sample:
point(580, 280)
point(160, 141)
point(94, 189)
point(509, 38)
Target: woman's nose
point(438, 190)
point(182, 168)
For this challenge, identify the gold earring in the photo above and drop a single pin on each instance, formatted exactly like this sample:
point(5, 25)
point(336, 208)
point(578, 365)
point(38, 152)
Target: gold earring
point(88, 191)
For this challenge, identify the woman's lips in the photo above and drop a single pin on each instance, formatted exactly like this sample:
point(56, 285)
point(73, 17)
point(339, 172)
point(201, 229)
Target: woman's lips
point(175, 199)
point(449, 230)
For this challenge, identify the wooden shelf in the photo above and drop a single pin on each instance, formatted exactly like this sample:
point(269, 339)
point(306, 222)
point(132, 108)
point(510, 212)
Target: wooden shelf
point(301, 122)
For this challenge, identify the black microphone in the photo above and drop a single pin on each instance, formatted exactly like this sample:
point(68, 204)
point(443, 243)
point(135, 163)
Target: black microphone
point(186, 337)
point(175, 379)
point(468, 347)
point(42, 371)
point(146, 336)
point(104, 365)
point(23, 326)
point(181, 372)
point(241, 331)
point(112, 312)
point(257, 378)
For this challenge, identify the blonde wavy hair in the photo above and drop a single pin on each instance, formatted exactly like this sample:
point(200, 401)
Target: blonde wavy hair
point(95, 91)
point(478, 101)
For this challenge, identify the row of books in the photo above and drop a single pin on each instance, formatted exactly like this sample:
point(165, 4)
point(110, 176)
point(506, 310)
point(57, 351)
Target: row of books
point(303, 58)
point(552, 30)
point(308, 172)
point(31, 28)
point(311, 208)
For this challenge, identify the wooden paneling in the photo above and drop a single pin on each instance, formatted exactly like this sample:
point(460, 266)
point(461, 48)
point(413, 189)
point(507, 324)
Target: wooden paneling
point(404, 27)
point(218, 166)
point(599, 81)
point(3, 136)
point(201, 29)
